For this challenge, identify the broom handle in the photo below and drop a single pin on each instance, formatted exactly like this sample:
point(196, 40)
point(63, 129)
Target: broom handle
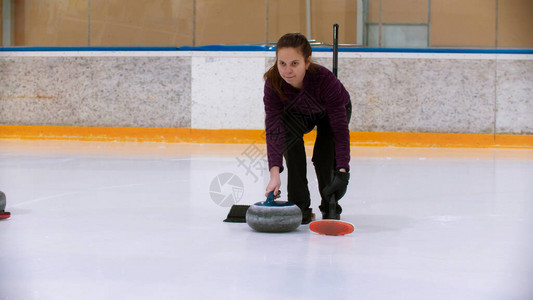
point(335, 48)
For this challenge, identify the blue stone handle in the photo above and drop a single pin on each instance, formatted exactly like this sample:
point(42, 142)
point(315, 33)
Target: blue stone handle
point(270, 201)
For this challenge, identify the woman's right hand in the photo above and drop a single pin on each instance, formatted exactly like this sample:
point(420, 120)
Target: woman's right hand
point(274, 183)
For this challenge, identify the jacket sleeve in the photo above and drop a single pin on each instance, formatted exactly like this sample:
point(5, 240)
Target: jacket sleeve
point(274, 128)
point(337, 98)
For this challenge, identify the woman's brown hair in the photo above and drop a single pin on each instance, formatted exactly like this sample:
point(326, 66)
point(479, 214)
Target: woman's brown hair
point(289, 40)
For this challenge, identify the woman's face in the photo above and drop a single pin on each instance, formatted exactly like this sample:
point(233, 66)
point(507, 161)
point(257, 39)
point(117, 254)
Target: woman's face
point(292, 66)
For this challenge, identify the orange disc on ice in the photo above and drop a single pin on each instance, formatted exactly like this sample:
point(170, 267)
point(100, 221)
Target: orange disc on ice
point(331, 227)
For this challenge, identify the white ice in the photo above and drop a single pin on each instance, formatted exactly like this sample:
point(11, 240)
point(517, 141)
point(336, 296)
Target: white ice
point(104, 220)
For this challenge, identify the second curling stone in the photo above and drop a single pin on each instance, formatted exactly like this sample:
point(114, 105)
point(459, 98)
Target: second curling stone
point(3, 214)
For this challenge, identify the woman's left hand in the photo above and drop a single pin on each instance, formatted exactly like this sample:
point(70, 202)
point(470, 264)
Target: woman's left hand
point(338, 186)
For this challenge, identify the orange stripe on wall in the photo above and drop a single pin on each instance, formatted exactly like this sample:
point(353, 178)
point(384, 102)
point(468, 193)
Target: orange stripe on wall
point(241, 136)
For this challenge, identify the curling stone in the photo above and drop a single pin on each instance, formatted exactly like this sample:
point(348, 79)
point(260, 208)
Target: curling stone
point(274, 216)
point(3, 214)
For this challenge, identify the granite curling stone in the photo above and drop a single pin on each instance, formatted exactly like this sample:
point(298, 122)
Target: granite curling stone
point(274, 216)
point(3, 214)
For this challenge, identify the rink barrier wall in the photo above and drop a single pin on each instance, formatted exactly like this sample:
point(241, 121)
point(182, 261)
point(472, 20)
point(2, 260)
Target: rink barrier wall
point(418, 92)
point(240, 136)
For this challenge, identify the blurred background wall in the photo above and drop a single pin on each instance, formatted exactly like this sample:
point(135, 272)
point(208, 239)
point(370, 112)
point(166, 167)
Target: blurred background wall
point(468, 92)
point(371, 23)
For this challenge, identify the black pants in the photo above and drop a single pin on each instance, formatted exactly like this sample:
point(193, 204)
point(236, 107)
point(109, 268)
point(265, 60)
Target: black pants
point(296, 125)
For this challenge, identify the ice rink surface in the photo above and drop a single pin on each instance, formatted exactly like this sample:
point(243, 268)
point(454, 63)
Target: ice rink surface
point(108, 220)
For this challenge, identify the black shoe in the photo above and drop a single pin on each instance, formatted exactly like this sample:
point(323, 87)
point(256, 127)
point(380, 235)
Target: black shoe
point(327, 216)
point(330, 210)
point(307, 216)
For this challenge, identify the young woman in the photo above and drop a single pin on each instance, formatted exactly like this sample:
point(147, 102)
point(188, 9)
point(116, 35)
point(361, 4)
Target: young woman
point(300, 95)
